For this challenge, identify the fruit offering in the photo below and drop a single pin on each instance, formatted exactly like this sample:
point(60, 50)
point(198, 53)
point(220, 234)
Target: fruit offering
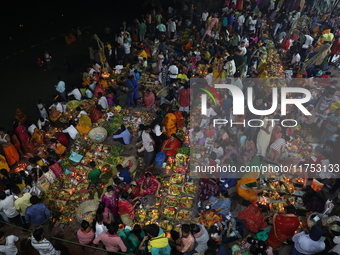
point(165, 184)
point(189, 188)
point(171, 201)
point(153, 213)
point(166, 225)
point(209, 218)
point(140, 215)
point(180, 169)
point(187, 202)
point(175, 190)
point(169, 212)
point(64, 195)
point(184, 215)
point(277, 207)
point(177, 179)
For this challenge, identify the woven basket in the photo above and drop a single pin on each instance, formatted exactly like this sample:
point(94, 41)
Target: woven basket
point(85, 207)
point(98, 134)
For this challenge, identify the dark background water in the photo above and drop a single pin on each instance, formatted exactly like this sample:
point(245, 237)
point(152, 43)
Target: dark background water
point(43, 25)
point(32, 22)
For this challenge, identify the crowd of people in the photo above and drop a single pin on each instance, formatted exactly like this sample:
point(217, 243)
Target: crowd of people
point(223, 45)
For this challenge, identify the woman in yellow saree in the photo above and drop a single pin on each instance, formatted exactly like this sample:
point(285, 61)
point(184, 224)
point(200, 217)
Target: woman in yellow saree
point(247, 186)
point(84, 124)
point(3, 164)
point(170, 124)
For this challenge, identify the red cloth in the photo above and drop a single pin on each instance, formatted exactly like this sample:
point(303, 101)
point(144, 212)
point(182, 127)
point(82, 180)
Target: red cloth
point(98, 89)
point(335, 49)
point(285, 44)
point(252, 218)
point(184, 97)
point(284, 226)
point(62, 138)
point(95, 114)
point(174, 145)
point(125, 207)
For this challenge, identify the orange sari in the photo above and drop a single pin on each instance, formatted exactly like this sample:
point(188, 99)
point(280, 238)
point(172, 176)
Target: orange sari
point(38, 136)
point(11, 154)
point(248, 193)
point(170, 124)
point(284, 227)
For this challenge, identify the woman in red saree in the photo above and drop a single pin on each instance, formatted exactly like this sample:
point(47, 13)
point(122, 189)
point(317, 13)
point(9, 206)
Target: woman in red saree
point(24, 138)
point(171, 145)
point(95, 114)
point(133, 189)
point(253, 218)
point(284, 227)
point(126, 209)
point(21, 131)
point(149, 185)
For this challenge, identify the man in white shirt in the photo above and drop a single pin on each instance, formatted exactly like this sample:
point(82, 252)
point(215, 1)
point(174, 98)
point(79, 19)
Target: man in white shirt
point(91, 71)
point(308, 42)
point(31, 128)
point(252, 23)
point(72, 131)
point(8, 245)
point(120, 39)
point(230, 67)
point(172, 28)
point(102, 101)
point(43, 123)
point(7, 206)
point(76, 93)
point(60, 87)
point(209, 77)
point(296, 59)
point(240, 21)
point(243, 48)
point(210, 114)
point(148, 144)
point(308, 244)
point(237, 81)
point(205, 15)
point(127, 49)
point(173, 72)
